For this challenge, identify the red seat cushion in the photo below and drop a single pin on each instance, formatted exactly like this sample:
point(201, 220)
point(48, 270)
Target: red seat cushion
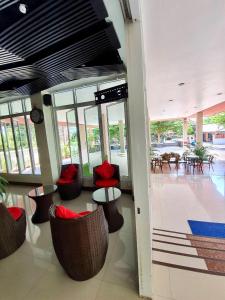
point(106, 182)
point(15, 212)
point(63, 181)
point(65, 213)
point(69, 172)
point(106, 170)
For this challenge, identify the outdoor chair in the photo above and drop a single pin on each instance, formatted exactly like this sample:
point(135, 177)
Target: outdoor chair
point(209, 161)
point(156, 162)
point(166, 159)
point(174, 159)
point(183, 160)
point(106, 175)
point(80, 244)
point(12, 229)
point(70, 182)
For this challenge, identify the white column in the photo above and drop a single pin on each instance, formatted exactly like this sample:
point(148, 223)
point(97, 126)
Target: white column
point(185, 131)
point(199, 127)
point(139, 149)
point(46, 143)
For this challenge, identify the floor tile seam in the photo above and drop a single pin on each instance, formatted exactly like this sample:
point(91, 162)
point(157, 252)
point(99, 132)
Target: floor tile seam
point(188, 269)
point(33, 285)
point(188, 255)
point(188, 246)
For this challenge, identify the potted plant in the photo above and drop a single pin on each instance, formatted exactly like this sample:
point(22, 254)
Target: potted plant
point(201, 151)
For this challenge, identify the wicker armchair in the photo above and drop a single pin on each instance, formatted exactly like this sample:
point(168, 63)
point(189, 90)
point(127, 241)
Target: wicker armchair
point(12, 233)
point(71, 190)
point(80, 244)
point(116, 176)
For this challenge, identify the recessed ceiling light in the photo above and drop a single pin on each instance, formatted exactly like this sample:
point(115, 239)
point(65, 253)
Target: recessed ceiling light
point(181, 83)
point(23, 7)
point(219, 94)
point(171, 100)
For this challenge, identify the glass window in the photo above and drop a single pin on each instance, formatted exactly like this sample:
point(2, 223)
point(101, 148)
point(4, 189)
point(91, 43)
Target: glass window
point(33, 146)
point(17, 107)
point(22, 145)
point(63, 98)
point(68, 139)
point(4, 109)
point(107, 85)
point(86, 94)
point(27, 103)
point(9, 145)
point(2, 158)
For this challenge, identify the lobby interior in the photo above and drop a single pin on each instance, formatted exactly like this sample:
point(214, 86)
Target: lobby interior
point(57, 59)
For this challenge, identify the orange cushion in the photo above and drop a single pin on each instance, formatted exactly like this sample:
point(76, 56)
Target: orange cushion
point(106, 182)
point(65, 213)
point(106, 170)
point(63, 181)
point(70, 172)
point(15, 212)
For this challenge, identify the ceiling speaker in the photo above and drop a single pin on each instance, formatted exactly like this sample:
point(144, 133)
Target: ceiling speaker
point(47, 100)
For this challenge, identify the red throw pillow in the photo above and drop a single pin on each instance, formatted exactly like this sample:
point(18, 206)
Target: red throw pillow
point(70, 172)
point(106, 170)
point(84, 213)
point(15, 212)
point(104, 183)
point(63, 181)
point(65, 213)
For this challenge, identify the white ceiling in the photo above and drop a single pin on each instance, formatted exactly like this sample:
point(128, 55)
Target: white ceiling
point(184, 42)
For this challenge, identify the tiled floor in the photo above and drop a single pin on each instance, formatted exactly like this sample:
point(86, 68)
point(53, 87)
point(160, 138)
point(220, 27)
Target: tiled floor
point(33, 271)
point(175, 200)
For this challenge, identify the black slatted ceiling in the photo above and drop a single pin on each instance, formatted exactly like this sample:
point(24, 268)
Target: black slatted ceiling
point(54, 38)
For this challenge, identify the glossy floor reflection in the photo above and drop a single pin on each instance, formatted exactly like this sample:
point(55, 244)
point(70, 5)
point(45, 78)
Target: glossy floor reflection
point(175, 200)
point(33, 271)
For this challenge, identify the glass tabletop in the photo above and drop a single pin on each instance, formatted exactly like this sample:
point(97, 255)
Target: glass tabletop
point(42, 190)
point(106, 194)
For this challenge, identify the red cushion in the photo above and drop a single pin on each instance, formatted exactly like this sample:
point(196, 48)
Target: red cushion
point(106, 182)
point(70, 172)
point(63, 181)
point(65, 213)
point(84, 213)
point(15, 212)
point(106, 170)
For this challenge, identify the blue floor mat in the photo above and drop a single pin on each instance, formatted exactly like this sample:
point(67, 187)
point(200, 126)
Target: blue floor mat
point(209, 229)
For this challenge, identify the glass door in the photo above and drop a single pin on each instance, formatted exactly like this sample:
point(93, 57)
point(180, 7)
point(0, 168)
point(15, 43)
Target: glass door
point(68, 136)
point(9, 145)
point(117, 136)
point(72, 133)
point(90, 138)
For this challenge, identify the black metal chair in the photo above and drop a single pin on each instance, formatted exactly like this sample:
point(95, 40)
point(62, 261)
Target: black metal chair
point(72, 189)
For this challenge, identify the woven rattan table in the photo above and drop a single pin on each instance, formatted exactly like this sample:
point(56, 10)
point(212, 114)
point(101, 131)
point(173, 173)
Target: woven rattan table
point(107, 197)
point(43, 199)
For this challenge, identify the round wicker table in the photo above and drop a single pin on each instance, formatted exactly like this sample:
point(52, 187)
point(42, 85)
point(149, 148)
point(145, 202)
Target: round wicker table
point(43, 199)
point(107, 197)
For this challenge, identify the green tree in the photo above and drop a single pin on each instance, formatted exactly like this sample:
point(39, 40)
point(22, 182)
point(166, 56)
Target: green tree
point(160, 128)
point(218, 119)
